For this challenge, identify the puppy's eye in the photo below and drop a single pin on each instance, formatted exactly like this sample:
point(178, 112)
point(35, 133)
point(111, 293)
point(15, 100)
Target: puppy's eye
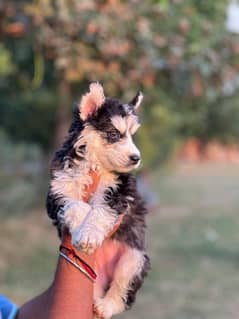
point(113, 136)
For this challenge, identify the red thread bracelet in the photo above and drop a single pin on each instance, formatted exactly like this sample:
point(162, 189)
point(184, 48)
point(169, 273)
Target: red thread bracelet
point(83, 266)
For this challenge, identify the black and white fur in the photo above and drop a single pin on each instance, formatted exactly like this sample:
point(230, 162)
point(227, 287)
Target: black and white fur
point(100, 138)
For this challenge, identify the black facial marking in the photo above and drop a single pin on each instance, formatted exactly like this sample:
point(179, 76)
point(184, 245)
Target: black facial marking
point(101, 121)
point(113, 135)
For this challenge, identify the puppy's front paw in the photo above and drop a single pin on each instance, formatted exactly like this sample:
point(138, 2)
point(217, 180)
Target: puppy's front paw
point(73, 213)
point(87, 238)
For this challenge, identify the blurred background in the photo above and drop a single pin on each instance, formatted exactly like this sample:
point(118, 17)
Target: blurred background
point(184, 56)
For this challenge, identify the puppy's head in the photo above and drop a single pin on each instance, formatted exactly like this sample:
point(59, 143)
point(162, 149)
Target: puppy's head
point(108, 127)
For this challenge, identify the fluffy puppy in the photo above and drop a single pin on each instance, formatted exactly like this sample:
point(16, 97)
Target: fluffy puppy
point(100, 139)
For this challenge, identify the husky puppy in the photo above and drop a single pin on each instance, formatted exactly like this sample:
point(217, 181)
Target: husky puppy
point(100, 139)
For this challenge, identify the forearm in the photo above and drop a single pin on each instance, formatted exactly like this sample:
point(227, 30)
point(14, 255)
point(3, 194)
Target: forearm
point(70, 295)
point(72, 292)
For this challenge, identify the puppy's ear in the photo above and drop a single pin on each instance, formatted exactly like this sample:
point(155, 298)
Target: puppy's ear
point(91, 101)
point(135, 103)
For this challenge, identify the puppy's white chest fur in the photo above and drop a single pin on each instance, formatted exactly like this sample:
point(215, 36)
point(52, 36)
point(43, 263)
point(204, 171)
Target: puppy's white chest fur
point(72, 182)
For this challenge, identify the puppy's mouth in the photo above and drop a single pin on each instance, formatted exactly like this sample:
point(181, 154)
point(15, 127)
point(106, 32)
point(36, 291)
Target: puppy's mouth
point(131, 166)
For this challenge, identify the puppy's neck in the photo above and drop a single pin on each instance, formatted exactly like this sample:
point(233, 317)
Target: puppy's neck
point(102, 171)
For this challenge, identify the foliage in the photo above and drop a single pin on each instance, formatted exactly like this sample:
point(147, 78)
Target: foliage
point(6, 66)
point(177, 52)
point(20, 176)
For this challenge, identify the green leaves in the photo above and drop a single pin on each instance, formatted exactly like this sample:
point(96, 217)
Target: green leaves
point(6, 64)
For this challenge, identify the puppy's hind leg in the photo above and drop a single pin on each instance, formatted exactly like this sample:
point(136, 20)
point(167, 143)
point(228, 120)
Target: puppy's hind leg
point(128, 278)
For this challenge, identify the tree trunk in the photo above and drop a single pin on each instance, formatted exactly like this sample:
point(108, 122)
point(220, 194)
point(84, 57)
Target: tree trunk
point(63, 114)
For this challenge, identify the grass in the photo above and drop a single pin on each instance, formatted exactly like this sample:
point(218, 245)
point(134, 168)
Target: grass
point(193, 243)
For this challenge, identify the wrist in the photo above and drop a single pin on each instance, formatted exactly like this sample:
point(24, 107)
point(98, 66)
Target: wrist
point(89, 259)
point(77, 259)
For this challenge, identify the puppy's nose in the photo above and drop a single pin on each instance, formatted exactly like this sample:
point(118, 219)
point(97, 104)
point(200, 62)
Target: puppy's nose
point(134, 158)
